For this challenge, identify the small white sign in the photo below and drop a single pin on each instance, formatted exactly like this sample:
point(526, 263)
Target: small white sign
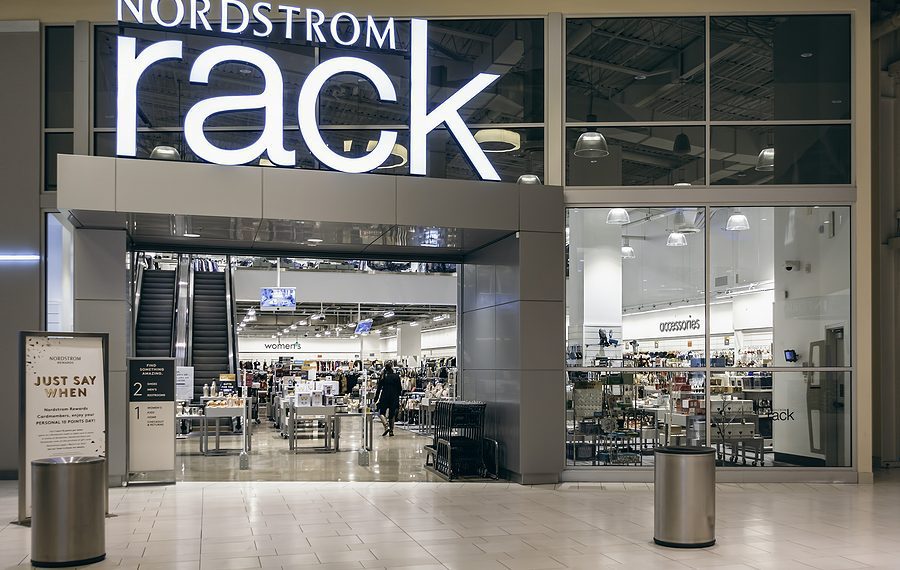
point(184, 383)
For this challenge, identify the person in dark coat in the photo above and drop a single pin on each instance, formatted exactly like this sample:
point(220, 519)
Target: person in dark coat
point(387, 394)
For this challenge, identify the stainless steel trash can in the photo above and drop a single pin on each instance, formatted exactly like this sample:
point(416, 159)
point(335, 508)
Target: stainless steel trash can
point(68, 511)
point(684, 497)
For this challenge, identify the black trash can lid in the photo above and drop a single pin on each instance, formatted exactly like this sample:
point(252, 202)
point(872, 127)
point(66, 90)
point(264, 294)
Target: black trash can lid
point(686, 450)
point(65, 460)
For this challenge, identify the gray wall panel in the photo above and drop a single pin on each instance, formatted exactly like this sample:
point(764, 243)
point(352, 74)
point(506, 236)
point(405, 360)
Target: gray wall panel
point(164, 187)
point(543, 323)
point(541, 209)
point(543, 269)
point(102, 305)
point(457, 203)
point(542, 429)
point(86, 182)
point(508, 431)
point(103, 251)
point(292, 194)
point(478, 339)
point(20, 218)
point(507, 343)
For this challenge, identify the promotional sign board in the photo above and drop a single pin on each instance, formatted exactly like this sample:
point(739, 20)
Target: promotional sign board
point(62, 400)
point(227, 384)
point(278, 299)
point(184, 383)
point(151, 420)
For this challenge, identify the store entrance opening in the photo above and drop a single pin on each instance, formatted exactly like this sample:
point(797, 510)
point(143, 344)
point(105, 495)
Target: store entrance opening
point(282, 362)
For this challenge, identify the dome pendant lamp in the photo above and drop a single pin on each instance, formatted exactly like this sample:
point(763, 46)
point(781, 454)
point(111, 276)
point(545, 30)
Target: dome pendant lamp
point(765, 162)
point(737, 222)
point(591, 144)
point(618, 217)
point(682, 144)
point(676, 239)
point(627, 250)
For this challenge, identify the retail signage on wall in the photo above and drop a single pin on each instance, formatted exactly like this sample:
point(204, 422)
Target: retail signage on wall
point(342, 30)
point(151, 420)
point(685, 325)
point(63, 395)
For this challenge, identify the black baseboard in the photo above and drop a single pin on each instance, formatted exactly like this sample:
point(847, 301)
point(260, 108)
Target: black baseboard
point(799, 460)
point(11, 475)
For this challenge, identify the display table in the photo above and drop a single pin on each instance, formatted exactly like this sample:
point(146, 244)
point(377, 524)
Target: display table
point(216, 414)
point(294, 412)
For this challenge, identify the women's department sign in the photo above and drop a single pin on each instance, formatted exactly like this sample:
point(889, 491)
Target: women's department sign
point(63, 396)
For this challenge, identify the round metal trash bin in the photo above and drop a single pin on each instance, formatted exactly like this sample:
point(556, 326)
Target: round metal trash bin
point(684, 497)
point(68, 511)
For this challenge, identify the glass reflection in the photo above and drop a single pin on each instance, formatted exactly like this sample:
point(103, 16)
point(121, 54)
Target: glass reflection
point(637, 156)
point(635, 69)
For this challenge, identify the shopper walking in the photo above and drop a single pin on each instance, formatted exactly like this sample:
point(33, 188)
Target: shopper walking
point(387, 394)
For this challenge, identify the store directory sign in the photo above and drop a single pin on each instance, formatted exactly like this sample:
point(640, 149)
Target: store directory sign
point(340, 30)
point(151, 420)
point(63, 399)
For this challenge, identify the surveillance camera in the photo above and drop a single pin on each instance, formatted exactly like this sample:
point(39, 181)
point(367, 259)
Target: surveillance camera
point(790, 265)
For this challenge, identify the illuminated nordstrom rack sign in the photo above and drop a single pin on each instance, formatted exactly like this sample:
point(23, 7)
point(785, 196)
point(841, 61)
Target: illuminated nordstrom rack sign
point(343, 29)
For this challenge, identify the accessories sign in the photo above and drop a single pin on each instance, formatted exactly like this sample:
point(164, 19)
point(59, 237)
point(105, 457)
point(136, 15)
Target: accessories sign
point(344, 29)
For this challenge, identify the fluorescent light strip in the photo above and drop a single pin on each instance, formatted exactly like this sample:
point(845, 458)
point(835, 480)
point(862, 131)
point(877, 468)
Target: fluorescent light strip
point(19, 257)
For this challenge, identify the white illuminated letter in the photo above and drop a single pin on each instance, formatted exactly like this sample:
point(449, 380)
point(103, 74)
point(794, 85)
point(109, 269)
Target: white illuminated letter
point(422, 122)
point(388, 35)
point(179, 13)
point(289, 12)
point(130, 68)
point(136, 10)
point(314, 25)
point(309, 128)
point(271, 99)
point(200, 15)
point(262, 19)
point(335, 22)
point(245, 16)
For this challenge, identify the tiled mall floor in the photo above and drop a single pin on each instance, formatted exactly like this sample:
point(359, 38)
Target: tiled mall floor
point(474, 526)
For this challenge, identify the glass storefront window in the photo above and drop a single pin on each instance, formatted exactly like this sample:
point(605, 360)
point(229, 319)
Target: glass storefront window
point(59, 71)
point(782, 68)
point(54, 145)
point(637, 156)
point(617, 418)
point(777, 329)
point(635, 69)
point(780, 286)
point(513, 152)
point(796, 154)
point(635, 290)
point(781, 419)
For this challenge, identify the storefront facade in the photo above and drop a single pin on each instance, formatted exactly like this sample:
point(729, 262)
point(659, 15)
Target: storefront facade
point(714, 164)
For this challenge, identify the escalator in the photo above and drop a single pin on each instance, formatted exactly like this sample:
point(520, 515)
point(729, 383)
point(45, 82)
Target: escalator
point(210, 340)
point(154, 328)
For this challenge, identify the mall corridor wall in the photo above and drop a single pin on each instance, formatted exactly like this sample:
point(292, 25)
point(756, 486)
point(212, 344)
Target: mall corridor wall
point(20, 230)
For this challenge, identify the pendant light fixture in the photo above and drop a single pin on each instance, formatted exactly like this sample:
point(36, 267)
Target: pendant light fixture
point(618, 217)
point(682, 144)
point(737, 222)
point(528, 179)
point(765, 162)
point(627, 250)
point(676, 239)
point(591, 144)
point(164, 152)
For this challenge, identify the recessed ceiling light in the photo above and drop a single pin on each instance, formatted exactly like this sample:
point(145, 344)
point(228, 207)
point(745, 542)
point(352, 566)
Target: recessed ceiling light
point(314, 240)
point(388, 314)
point(806, 54)
point(191, 235)
point(302, 323)
point(293, 327)
point(19, 257)
point(414, 324)
point(245, 70)
point(640, 77)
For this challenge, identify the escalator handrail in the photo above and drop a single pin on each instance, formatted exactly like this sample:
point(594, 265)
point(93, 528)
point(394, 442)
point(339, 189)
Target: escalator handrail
point(188, 356)
point(136, 305)
point(229, 312)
